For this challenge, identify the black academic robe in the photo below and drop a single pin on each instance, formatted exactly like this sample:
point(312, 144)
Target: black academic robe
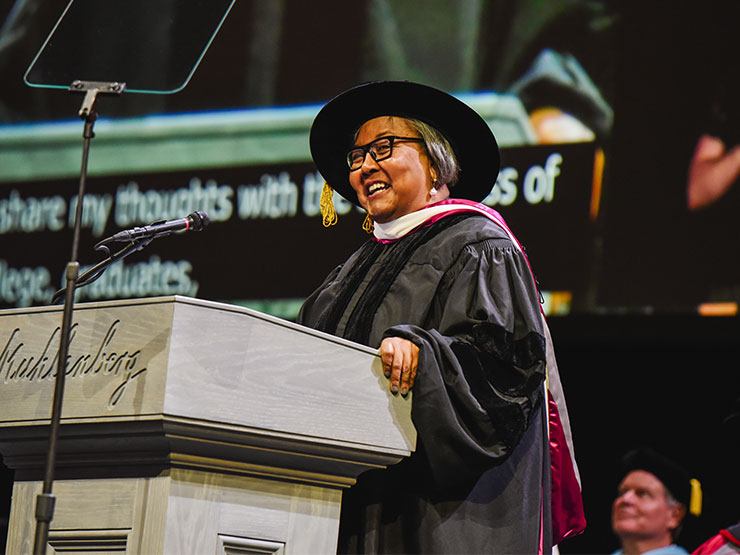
point(479, 479)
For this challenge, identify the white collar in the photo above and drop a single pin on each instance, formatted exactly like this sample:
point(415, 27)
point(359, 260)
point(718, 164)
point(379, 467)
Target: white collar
point(395, 229)
point(399, 227)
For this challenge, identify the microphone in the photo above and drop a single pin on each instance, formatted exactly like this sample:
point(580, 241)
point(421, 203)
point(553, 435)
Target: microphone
point(193, 222)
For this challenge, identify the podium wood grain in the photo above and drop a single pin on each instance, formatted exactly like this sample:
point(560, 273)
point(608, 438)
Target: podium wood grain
point(191, 426)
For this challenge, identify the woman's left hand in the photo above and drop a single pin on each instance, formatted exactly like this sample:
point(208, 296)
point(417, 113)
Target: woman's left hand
point(400, 361)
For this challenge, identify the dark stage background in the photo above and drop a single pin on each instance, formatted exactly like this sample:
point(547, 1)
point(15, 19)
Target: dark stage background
point(598, 105)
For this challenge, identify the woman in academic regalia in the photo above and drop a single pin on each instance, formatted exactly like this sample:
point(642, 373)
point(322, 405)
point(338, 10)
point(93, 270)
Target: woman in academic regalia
point(445, 292)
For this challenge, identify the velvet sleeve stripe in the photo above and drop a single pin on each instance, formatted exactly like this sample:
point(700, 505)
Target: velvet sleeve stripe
point(509, 416)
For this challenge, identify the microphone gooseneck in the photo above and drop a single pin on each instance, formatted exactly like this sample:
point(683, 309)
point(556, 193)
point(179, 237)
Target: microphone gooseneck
point(137, 238)
point(192, 222)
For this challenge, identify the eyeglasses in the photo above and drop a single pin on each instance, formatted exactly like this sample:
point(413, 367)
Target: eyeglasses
point(379, 149)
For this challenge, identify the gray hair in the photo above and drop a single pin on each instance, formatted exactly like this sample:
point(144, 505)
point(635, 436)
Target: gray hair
point(673, 502)
point(440, 151)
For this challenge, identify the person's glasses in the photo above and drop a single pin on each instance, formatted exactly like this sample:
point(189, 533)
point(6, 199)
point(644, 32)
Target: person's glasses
point(379, 149)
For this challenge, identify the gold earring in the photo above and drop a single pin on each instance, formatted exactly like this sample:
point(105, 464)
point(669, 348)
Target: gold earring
point(368, 224)
point(326, 205)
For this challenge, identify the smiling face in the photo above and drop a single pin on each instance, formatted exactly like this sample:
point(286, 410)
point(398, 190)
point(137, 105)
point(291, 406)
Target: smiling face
point(397, 185)
point(642, 510)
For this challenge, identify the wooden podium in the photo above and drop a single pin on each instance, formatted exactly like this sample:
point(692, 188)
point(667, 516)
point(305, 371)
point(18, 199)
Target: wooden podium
point(191, 427)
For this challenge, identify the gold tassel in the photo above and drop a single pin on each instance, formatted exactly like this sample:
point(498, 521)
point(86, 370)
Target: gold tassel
point(368, 224)
point(326, 205)
point(695, 500)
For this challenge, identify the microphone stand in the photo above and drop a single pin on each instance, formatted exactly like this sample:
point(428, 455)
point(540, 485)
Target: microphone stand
point(96, 271)
point(137, 239)
point(46, 500)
